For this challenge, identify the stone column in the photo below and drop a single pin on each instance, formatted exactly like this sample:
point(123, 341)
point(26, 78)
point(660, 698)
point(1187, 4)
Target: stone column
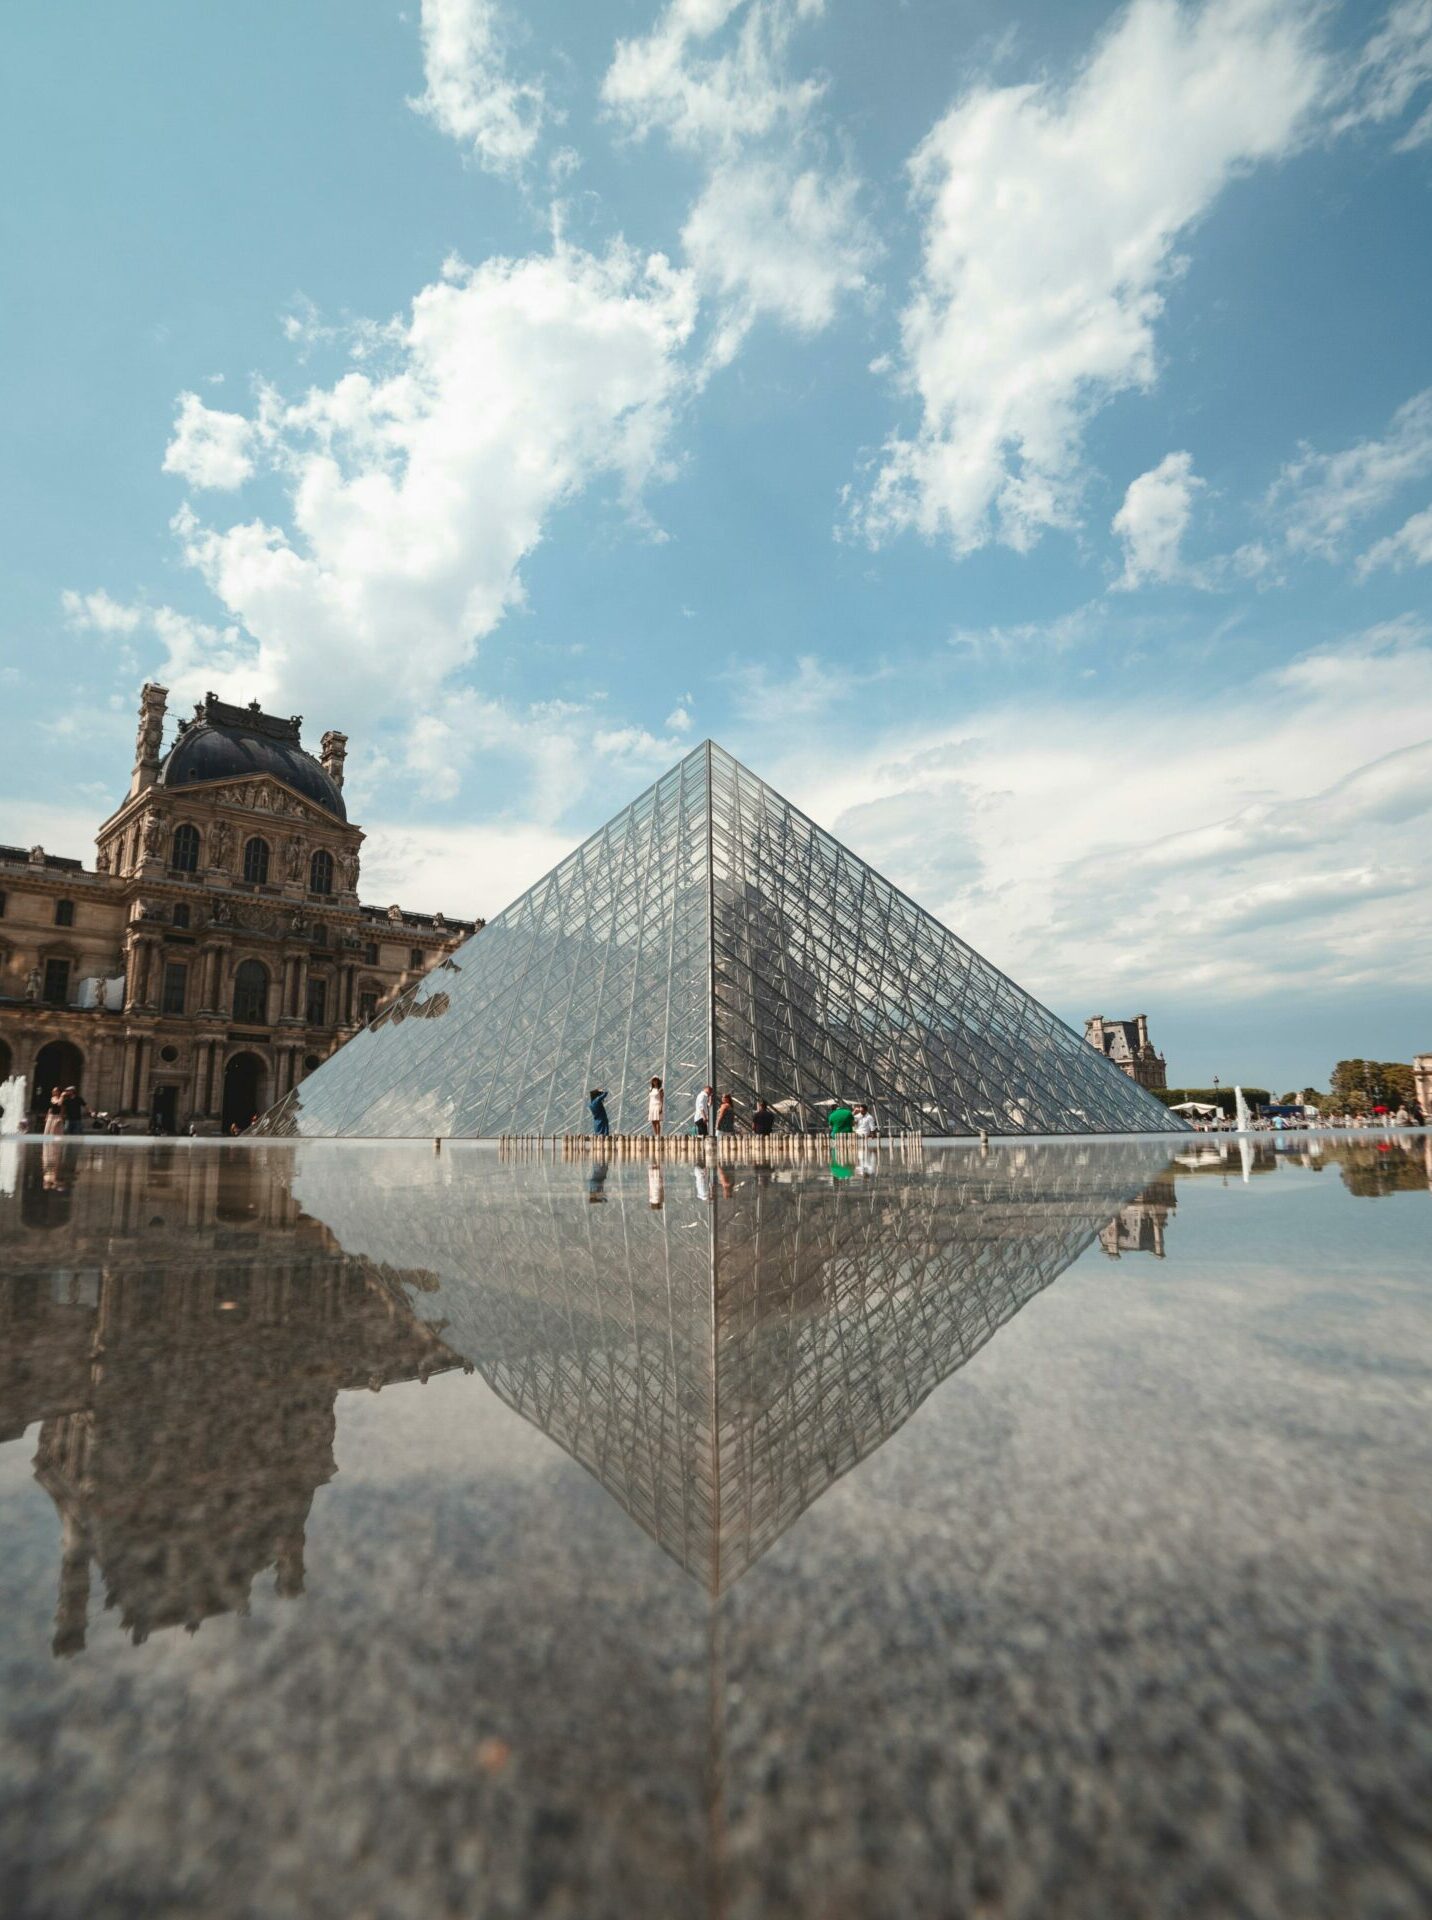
point(139, 1084)
point(208, 971)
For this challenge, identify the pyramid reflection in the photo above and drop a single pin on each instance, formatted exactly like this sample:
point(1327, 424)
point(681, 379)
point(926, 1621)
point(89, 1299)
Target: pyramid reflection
point(718, 1346)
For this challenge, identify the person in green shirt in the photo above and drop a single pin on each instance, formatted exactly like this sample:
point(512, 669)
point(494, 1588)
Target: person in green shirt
point(842, 1119)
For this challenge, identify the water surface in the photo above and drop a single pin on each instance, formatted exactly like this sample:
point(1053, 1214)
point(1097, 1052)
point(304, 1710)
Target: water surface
point(1039, 1531)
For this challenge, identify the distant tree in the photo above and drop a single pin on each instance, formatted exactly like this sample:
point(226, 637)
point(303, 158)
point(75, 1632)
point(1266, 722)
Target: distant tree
point(1358, 1085)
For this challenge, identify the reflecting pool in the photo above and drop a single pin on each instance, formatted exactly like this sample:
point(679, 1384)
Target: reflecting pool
point(1030, 1531)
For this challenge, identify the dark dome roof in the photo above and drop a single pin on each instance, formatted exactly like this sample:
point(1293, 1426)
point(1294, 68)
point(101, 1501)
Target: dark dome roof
point(235, 743)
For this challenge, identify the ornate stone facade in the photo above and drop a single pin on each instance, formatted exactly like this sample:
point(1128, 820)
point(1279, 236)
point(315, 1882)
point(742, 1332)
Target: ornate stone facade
point(217, 951)
point(1127, 1044)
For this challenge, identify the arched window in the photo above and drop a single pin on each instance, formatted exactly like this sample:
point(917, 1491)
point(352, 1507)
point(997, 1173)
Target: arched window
point(256, 859)
point(251, 983)
point(320, 872)
point(184, 850)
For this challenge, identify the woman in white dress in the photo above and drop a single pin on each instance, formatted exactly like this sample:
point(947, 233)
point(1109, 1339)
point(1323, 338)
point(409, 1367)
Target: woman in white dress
point(655, 1107)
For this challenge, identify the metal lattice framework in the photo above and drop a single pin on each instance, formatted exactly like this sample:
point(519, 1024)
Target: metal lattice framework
point(715, 1350)
point(712, 933)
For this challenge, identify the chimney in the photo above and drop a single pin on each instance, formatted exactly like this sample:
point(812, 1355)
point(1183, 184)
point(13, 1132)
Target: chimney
point(1141, 1022)
point(152, 699)
point(333, 752)
point(1094, 1031)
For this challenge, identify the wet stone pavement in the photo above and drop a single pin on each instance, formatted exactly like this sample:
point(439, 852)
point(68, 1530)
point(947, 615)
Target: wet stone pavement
point(1041, 1531)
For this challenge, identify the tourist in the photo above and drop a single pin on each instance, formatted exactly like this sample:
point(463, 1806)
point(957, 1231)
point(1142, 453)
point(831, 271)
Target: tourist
point(597, 1101)
point(726, 1115)
point(73, 1110)
point(655, 1107)
point(55, 1113)
point(864, 1122)
point(842, 1118)
point(701, 1117)
point(763, 1121)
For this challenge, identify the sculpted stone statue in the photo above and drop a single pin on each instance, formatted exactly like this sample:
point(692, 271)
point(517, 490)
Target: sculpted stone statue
point(293, 857)
point(221, 840)
point(32, 984)
point(395, 913)
point(348, 868)
point(152, 827)
point(101, 860)
point(151, 733)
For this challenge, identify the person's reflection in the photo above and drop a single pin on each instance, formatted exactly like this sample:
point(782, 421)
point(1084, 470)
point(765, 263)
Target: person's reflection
point(703, 1181)
point(59, 1162)
point(655, 1187)
point(47, 1180)
point(597, 1182)
point(840, 1169)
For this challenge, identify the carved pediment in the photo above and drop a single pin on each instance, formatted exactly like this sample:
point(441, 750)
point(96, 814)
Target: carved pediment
point(266, 796)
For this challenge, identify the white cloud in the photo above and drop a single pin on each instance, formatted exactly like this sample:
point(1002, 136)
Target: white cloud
point(99, 613)
point(1153, 520)
point(719, 101)
point(1410, 546)
point(773, 697)
point(764, 238)
point(468, 92)
point(210, 448)
point(418, 487)
point(190, 656)
point(1393, 69)
point(468, 872)
point(774, 230)
point(1221, 851)
point(1052, 217)
point(1320, 497)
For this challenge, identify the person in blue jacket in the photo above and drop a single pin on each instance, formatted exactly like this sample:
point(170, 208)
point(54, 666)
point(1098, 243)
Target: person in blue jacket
point(598, 1105)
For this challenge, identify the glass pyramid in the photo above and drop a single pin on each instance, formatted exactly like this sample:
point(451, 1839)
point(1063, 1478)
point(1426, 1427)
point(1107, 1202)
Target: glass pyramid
point(711, 933)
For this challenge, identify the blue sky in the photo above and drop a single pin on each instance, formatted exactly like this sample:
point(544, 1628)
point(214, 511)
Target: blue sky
point(1006, 428)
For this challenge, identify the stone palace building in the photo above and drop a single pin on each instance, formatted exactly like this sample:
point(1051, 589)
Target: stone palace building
point(1127, 1044)
point(217, 950)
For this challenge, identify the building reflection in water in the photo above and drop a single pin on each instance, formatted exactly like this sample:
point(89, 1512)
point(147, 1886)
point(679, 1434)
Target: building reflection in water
point(1140, 1226)
point(181, 1332)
